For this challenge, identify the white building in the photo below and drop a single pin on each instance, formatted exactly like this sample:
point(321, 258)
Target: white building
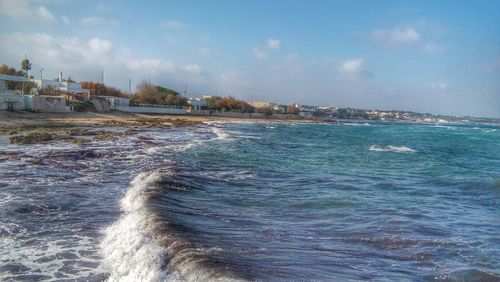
point(196, 104)
point(63, 86)
point(3, 82)
point(281, 109)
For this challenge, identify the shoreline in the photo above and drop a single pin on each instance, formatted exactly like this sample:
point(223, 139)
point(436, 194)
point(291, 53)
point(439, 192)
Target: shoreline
point(10, 120)
point(79, 128)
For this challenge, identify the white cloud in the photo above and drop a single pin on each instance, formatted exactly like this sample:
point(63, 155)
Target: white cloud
point(396, 36)
point(432, 48)
point(65, 19)
point(259, 54)
point(99, 45)
point(273, 43)
point(439, 86)
point(173, 24)
point(100, 21)
point(45, 14)
point(25, 10)
point(150, 66)
point(192, 68)
point(84, 60)
point(353, 69)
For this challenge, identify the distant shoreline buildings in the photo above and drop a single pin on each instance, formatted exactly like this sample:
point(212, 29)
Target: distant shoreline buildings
point(65, 95)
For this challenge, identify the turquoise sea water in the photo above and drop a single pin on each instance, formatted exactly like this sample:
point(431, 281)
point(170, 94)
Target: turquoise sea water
point(264, 201)
point(369, 201)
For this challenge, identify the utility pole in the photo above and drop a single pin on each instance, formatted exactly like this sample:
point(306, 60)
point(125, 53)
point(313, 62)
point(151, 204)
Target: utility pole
point(102, 77)
point(41, 78)
point(129, 88)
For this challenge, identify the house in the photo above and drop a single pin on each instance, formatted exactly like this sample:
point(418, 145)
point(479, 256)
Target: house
point(196, 104)
point(72, 90)
point(280, 109)
point(4, 81)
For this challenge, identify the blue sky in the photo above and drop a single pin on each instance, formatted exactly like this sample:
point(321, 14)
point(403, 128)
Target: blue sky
point(430, 56)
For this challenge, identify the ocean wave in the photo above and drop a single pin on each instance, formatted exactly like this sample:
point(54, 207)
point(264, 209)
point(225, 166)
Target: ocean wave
point(142, 246)
point(357, 124)
point(391, 148)
point(221, 135)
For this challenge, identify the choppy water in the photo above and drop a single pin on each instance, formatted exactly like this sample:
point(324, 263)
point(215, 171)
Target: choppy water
point(254, 201)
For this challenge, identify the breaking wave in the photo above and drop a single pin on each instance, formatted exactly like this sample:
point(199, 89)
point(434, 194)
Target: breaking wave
point(142, 246)
point(221, 135)
point(390, 148)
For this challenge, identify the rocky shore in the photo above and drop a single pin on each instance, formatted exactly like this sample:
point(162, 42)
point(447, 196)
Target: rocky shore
point(80, 128)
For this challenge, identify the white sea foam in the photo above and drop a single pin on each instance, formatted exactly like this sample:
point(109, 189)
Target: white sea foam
point(357, 124)
point(139, 248)
point(129, 250)
point(52, 256)
point(391, 148)
point(221, 135)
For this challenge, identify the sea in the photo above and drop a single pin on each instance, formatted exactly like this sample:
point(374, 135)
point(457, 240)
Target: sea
point(247, 201)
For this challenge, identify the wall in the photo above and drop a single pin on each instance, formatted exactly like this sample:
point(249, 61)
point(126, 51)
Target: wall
point(50, 104)
point(17, 102)
point(101, 105)
point(151, 110)
point(238, 115)
point(199, 113)
point(116, 101)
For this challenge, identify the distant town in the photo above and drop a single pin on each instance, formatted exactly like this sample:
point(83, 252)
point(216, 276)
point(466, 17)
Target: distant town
point(20, 91)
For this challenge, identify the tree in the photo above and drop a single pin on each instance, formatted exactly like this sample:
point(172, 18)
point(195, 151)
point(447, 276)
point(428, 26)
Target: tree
point(148, 93)
point(265, 111)
point(292, 109)
point(95, 88)
point(4, 69)
point(231, 104)
point(99, 89)
point(212, 101)
point(25, 66)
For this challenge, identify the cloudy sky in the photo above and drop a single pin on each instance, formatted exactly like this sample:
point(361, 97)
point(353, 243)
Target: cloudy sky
point(430, 56)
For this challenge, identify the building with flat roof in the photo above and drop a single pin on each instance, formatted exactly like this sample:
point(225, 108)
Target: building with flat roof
point(5, 78)
point(61, 85)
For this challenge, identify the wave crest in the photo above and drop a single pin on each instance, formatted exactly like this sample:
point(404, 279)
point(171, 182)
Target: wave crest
point(140, 246)
point(391, 148)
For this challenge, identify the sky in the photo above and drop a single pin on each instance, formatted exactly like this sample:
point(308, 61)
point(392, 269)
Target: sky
point(429, 56)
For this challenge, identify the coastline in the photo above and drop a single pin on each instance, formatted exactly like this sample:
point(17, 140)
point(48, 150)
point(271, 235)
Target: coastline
point(10, 120)
point(25, 128)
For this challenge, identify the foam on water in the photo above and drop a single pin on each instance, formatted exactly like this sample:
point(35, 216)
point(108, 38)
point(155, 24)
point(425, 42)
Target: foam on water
point(221, 135)
point(357, 124)
point(391, 148)
point(140, 247)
